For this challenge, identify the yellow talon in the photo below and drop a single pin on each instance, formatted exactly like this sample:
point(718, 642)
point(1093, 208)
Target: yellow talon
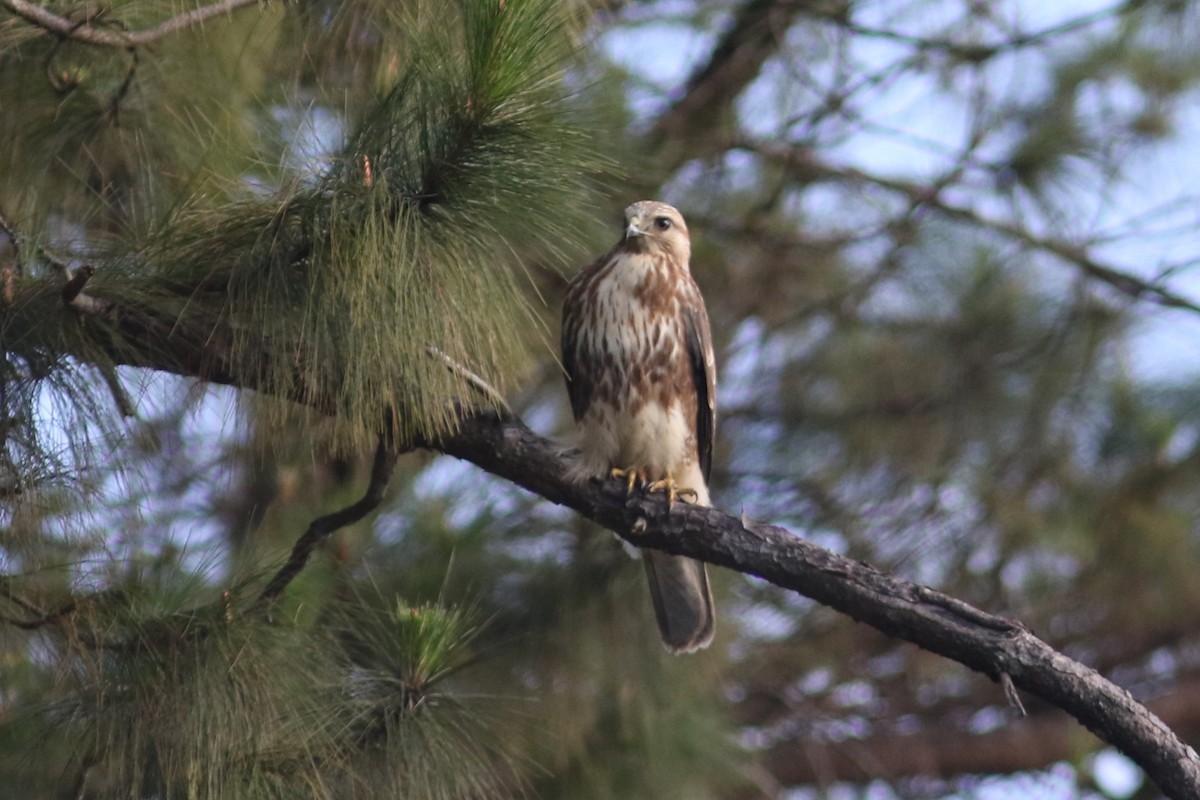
point(634, 477)
point(673, 491)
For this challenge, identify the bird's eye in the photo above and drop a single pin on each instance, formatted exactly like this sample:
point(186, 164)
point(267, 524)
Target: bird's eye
point(662, 223)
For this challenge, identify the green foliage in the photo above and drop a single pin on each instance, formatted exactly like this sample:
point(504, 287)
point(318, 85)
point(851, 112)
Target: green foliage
point(360, 201)
point(111, 137)
point(595, 706)
point(351, 294)
point(156, 697)
point(408, 249)
point(423, 738)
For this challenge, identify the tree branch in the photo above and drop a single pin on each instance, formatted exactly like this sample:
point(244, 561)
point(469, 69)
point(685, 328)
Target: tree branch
point(40, 616)
point(87, 33)
point(976, 51)
point(983, 642)
point(756, 33)
point(322, 527)
point(980, 641)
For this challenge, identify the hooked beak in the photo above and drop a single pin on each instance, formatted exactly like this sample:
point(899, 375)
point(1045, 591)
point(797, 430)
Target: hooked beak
point(632, 229)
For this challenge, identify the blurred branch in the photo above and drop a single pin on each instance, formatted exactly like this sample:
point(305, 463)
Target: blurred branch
point(756, 33)
point(40, 618)
point(1034, 743)
point(9, 593)
point(808, 167)
point(137, 335)
point(975, 51)
point(87, 32)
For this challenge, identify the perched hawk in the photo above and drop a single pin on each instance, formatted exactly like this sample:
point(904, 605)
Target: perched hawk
point(640, 372)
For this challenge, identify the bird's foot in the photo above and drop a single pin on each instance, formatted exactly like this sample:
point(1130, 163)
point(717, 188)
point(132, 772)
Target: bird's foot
point(673, 491)
point(634, 478)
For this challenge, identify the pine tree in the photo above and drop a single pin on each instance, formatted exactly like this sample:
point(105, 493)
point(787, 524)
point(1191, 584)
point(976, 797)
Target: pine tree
point(251, 254)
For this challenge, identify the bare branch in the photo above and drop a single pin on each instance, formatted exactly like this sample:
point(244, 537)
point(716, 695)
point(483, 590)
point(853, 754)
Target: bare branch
point(322, 527)
point(1010, 694)
point(88, 33)
point(980, 641)
point(473, 379)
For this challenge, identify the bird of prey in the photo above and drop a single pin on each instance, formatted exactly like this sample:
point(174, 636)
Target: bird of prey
point(638, 355)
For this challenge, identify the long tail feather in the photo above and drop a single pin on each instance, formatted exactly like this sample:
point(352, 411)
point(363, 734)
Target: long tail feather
point(682, 599)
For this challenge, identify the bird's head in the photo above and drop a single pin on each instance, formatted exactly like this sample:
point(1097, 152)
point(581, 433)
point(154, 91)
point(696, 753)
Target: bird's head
point(657, 228)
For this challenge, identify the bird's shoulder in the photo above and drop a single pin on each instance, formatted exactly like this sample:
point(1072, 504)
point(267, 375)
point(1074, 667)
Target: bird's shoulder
point(589, 282)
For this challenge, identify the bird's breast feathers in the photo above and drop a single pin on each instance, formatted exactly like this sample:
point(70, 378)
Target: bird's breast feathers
point(633, 343)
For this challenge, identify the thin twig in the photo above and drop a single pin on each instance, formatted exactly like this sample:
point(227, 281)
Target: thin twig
point(88, 34)
point(321, 527)
point(120, 397)
point(967, 611)
point(978, 52)
point(473, 379)
point(928, 196)
point(1010, 694)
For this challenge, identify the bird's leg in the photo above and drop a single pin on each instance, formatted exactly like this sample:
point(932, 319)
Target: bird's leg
point(673, 490)
point(633, 476)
